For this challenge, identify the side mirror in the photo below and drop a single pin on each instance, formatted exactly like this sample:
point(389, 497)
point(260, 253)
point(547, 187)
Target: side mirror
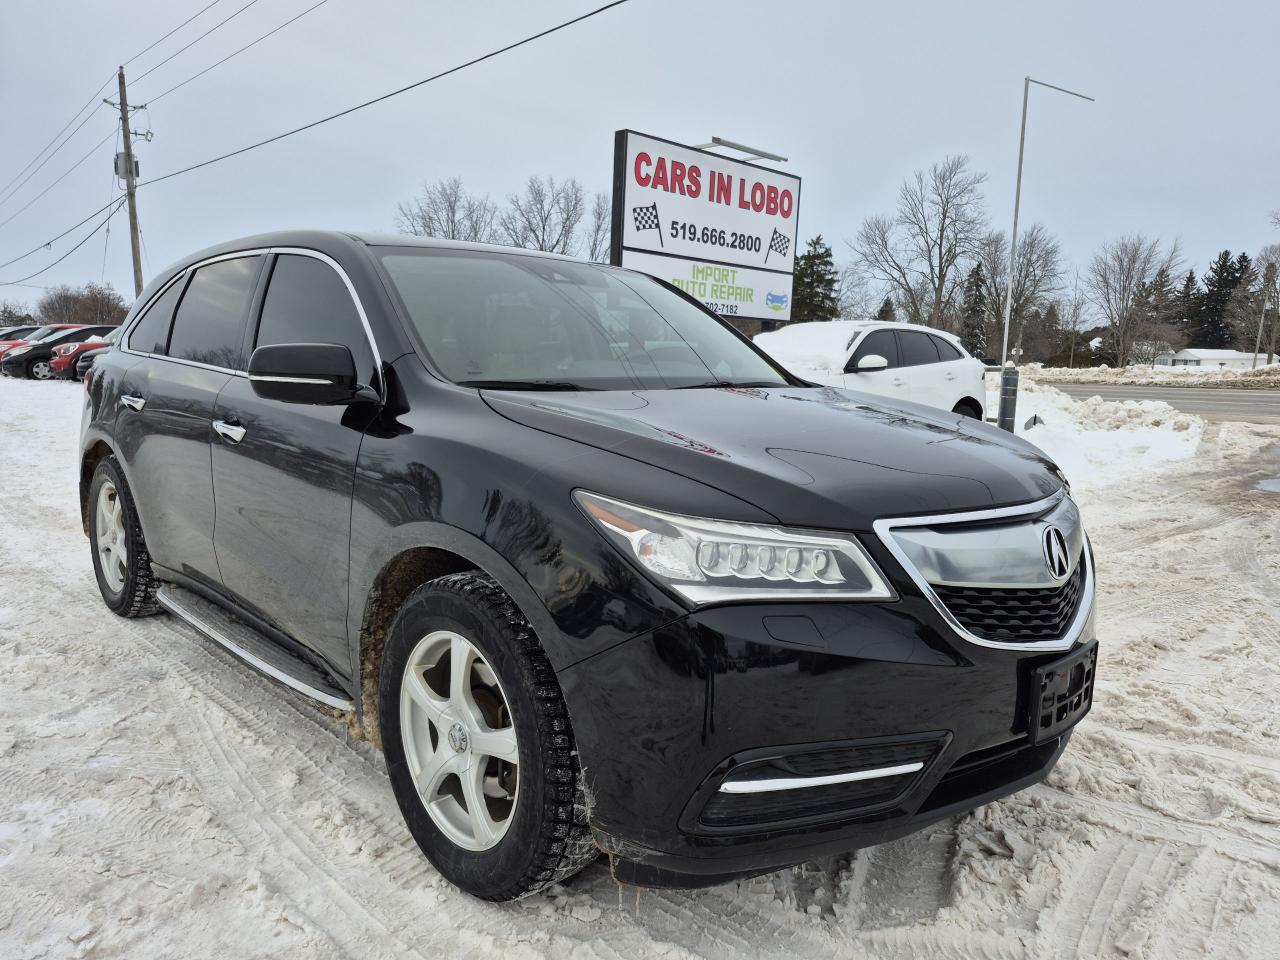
point(872, 361)
point(316, 373)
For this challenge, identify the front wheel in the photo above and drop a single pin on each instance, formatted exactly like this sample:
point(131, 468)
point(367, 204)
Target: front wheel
point(478, 743)
point(40, 370)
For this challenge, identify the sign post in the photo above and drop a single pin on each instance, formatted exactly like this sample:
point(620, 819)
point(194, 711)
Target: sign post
point(722, 230)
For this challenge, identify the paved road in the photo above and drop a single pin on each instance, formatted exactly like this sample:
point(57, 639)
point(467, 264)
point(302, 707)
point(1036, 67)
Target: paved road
point(1212, 403)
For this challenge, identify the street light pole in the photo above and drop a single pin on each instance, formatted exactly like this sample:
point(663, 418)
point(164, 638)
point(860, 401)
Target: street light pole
point(1017, 203)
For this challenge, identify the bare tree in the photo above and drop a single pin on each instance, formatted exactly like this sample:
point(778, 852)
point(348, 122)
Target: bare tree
point(546, 216)
point(1268, 263)
point(599, 228)
point(94, 303)
point(1037, 276)
point(1118, 274)
point(939, 220)
point(857, 295)
point(13, 313)
point(445, 209)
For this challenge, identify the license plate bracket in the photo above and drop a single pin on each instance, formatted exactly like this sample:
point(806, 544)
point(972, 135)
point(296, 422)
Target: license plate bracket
point(1061, 693)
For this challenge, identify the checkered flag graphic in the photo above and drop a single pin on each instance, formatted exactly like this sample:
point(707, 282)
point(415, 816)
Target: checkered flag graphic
point(778, 244)
point(646, 218)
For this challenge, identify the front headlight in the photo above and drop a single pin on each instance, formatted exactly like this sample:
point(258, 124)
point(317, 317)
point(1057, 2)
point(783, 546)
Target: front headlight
point(711, 561)
point(17, 351)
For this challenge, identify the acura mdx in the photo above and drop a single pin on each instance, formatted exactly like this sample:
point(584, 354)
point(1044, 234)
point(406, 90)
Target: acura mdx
point(594, 571)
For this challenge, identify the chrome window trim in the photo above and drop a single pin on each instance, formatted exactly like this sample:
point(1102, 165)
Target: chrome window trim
point(771, 784)
point(254, 252)
point(884, 530)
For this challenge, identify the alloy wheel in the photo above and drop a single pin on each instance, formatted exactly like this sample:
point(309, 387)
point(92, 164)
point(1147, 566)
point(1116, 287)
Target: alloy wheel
point(41, 370)
point(109, 527)
point(459, 740)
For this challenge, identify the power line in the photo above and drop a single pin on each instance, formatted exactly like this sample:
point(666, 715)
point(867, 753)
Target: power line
point(64, 175)
point(235, 53)
point(87, 237)
point(180, 50)
point(342, 113)
point(9, 196)
point(170, 33)
point(387, 96)
point(92, 100)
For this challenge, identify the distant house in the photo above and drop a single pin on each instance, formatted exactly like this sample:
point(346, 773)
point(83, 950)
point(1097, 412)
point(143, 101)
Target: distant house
point(1211, 359)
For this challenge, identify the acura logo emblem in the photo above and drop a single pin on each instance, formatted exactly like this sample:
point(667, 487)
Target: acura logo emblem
point(1055, 553)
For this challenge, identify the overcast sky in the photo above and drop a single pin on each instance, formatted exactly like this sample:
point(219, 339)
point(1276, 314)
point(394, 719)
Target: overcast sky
point(1183, 141)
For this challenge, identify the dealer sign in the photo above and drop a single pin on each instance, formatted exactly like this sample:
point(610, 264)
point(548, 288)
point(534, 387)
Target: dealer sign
point(722, 230)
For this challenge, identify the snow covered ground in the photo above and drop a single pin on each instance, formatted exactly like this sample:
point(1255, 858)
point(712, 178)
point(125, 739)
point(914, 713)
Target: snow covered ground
point(160, 800)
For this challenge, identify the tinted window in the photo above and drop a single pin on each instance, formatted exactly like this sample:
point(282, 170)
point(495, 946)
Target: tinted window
point(493, 318)
point(84, 333)
point(879, 342)
point(307, 302)
point(947, 350)
point(151, 333)
point(917, 348)
point(209, 327)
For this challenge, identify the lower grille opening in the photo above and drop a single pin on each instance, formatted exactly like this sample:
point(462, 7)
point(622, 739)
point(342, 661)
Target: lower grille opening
point(984, 770)
point(800, 805)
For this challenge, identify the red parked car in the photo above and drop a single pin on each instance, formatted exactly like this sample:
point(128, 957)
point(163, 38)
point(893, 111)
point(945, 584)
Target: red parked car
point(63, 361)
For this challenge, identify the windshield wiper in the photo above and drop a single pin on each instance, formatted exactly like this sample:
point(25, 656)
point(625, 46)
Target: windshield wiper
point(523, 385)
point(709, 384)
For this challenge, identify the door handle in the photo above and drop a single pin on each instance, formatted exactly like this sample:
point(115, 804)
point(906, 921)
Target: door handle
point(898, 381)
point(951, 376)
point(133, 403)
point(228, 431)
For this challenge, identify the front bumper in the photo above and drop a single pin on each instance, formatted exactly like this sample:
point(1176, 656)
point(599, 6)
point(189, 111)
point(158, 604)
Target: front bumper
point(661, 720)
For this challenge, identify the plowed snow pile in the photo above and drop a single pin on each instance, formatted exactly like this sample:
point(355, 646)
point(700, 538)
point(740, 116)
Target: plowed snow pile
point(161, 801)
point(1263, 378)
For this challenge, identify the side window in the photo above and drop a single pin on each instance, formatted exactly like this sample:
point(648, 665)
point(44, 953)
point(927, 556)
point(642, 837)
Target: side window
point(307, 302)
point(946, 350)
point(917, 348)
point(879, 342)
point(209, 327)
point(151, 333)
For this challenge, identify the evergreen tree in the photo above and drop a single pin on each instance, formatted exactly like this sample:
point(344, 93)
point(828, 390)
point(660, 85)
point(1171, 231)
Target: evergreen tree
point(886, 313)
point(813, 287)
point(1211, 330)
point(1244, 305)
point(1186, 306)
point(973, 313)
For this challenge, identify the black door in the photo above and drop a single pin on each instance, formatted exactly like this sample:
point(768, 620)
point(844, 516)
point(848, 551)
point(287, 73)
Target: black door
point(283, 473)
point(166, 407)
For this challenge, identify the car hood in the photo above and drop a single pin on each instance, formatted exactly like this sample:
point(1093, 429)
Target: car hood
point(811, 456)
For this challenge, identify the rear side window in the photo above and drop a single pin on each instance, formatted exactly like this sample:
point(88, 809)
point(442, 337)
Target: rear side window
point(209, 326)
point(151, 333)
point(307, 302)
point(917, 348)
point(947, 351)
point(879, 342)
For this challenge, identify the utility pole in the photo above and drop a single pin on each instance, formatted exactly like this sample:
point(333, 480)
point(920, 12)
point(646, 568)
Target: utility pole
point(130, 186)
point(1017, 202)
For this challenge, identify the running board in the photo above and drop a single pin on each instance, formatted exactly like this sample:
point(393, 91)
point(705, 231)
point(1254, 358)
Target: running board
point(251, 646)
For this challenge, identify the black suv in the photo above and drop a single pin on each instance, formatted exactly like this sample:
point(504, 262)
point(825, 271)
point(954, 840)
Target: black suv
point(596, 572)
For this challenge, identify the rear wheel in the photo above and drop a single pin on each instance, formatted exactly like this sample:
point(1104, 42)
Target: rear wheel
point(40, 370)
point(478, 744)
point(120, 559)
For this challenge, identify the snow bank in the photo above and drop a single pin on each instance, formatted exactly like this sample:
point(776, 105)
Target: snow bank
point(1100, 442)
point(1264, 378)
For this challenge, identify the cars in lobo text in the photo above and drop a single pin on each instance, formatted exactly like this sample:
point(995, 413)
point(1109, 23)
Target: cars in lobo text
point(595, 571)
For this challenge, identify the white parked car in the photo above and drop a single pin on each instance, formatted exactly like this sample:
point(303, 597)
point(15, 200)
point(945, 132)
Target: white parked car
point(898, 360)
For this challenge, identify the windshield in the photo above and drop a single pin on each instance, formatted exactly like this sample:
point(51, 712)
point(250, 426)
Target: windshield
point(496, 319)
